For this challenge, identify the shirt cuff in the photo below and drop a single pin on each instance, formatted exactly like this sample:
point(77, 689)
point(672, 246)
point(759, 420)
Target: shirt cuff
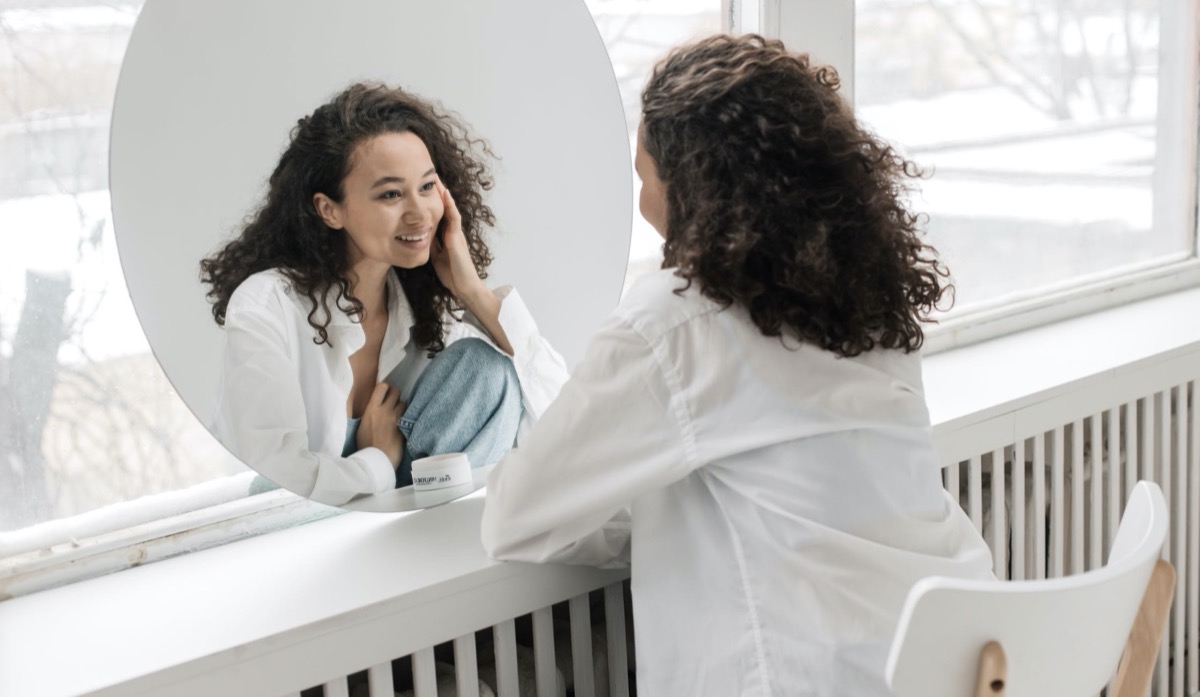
point(540, 369)
point(335, 486)
point(378, 466)
point(517, 322)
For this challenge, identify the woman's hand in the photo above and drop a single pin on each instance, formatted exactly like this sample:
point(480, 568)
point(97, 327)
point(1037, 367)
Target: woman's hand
point(378, 425)
point(452, 262)
point(451, 255)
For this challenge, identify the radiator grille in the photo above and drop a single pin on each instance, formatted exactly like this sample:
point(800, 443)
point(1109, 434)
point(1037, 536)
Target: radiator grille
point(1049, 502)
point(579, 647)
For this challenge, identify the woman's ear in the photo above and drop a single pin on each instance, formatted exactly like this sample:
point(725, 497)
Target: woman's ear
point(329, 211)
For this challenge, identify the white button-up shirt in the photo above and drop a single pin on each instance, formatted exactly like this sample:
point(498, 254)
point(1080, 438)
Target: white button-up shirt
point(780, 500)
point(281, 405)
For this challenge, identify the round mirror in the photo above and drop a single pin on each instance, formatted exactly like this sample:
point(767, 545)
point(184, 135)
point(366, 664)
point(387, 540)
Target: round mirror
point(210, 89)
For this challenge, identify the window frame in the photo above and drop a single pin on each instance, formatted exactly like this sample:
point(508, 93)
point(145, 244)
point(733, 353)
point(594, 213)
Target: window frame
point(135, 532)
point(827, 29)
point(151, 528)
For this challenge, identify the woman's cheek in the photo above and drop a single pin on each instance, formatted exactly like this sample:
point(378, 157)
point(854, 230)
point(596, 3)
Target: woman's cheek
point(647, 207)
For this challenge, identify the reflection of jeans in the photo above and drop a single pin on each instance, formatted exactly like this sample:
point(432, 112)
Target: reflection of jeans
point(467, 400)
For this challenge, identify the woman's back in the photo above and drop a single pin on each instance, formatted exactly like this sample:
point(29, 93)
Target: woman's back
point(757, 444)
point(783, 499)
point(785, 556)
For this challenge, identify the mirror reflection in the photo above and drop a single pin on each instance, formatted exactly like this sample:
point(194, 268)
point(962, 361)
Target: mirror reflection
point(409, 218)
point(359, 333)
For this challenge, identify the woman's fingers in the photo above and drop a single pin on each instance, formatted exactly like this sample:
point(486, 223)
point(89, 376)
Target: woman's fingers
point(378, 427)
point(387, 396)
point(451, 209)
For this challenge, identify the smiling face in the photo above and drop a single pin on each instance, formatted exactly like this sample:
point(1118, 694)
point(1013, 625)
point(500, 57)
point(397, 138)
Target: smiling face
point(390, 207)
point(652, 202)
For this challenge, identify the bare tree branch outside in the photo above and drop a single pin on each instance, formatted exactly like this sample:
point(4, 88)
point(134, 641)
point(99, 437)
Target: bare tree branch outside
point(86, 416)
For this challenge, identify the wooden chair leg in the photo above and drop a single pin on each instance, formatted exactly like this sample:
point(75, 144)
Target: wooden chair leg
point(993, 671)
point(1141, 651)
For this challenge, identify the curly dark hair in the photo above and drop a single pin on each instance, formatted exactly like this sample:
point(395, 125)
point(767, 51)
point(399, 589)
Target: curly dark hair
point(287, 233)
point(780, 202)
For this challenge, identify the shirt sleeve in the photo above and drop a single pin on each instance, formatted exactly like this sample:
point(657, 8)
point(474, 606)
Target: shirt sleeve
point(618, 429)
point(541, 371)
point(261, 415)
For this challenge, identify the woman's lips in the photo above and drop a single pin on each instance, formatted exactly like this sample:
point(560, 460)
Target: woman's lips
point(417, 240)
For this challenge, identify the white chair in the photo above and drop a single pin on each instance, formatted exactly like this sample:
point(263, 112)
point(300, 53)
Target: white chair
point(1061, 637)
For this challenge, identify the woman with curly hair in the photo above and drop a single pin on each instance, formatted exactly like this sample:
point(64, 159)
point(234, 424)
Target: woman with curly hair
point(359, 334)
point(749, 425)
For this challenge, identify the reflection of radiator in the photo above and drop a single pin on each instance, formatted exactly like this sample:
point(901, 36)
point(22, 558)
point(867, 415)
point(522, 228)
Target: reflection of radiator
point(1079, 453)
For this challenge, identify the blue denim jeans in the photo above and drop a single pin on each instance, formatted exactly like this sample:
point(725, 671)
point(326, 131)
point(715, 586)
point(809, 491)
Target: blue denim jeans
point(467, 400)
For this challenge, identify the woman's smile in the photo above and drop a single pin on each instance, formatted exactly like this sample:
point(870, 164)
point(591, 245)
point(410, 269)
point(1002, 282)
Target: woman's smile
point(415, 240)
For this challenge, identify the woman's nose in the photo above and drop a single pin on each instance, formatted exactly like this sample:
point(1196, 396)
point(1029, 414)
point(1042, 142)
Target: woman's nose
point(414, 214)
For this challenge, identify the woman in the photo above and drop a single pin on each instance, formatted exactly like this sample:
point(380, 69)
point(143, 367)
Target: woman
point(749, 425)
point(364, 263)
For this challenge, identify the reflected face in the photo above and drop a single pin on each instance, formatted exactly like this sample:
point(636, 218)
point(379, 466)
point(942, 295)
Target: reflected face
point(390, 207)
point(653, 199)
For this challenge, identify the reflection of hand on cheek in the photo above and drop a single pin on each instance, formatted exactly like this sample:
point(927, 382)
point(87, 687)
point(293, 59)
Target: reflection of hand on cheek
point(451, 253)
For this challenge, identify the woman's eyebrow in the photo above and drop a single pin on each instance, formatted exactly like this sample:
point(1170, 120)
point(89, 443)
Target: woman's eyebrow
point(398, 180)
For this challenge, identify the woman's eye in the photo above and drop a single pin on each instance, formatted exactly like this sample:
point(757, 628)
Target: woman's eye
point(428, 186)
point(390, 194)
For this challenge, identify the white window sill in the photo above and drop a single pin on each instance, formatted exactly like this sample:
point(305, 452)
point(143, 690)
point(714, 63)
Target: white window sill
point(970, 385)
point(184, 625)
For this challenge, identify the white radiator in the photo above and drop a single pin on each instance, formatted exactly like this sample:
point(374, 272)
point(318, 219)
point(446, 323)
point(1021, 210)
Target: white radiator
point(1044, 478)
point(1046, 485)
point(578, 647)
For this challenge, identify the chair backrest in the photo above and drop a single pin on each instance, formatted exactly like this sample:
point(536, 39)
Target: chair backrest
point(1061, 637)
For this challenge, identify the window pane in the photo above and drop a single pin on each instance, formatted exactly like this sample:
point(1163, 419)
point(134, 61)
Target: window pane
point(87, 418)
point(1039, 121)
point(637, 34)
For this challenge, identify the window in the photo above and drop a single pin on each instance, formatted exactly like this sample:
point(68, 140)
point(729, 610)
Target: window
point(92, 437)
point(87, 419)
point(637, 34)
point(1060, 136)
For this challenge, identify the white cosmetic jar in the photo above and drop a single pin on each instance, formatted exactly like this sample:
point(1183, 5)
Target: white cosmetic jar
point(441, 471)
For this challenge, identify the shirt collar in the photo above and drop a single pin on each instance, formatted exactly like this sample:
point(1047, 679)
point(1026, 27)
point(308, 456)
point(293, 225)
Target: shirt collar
point(347, 332)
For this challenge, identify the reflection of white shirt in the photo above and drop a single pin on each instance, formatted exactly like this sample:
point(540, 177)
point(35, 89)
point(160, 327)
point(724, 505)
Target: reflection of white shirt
point(281, 406)
point(780, 502)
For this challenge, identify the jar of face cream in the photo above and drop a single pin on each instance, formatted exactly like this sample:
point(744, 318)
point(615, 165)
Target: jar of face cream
point(441, 471)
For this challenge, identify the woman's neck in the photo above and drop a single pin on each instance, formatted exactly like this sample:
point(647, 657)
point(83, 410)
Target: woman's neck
point(369, 285)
